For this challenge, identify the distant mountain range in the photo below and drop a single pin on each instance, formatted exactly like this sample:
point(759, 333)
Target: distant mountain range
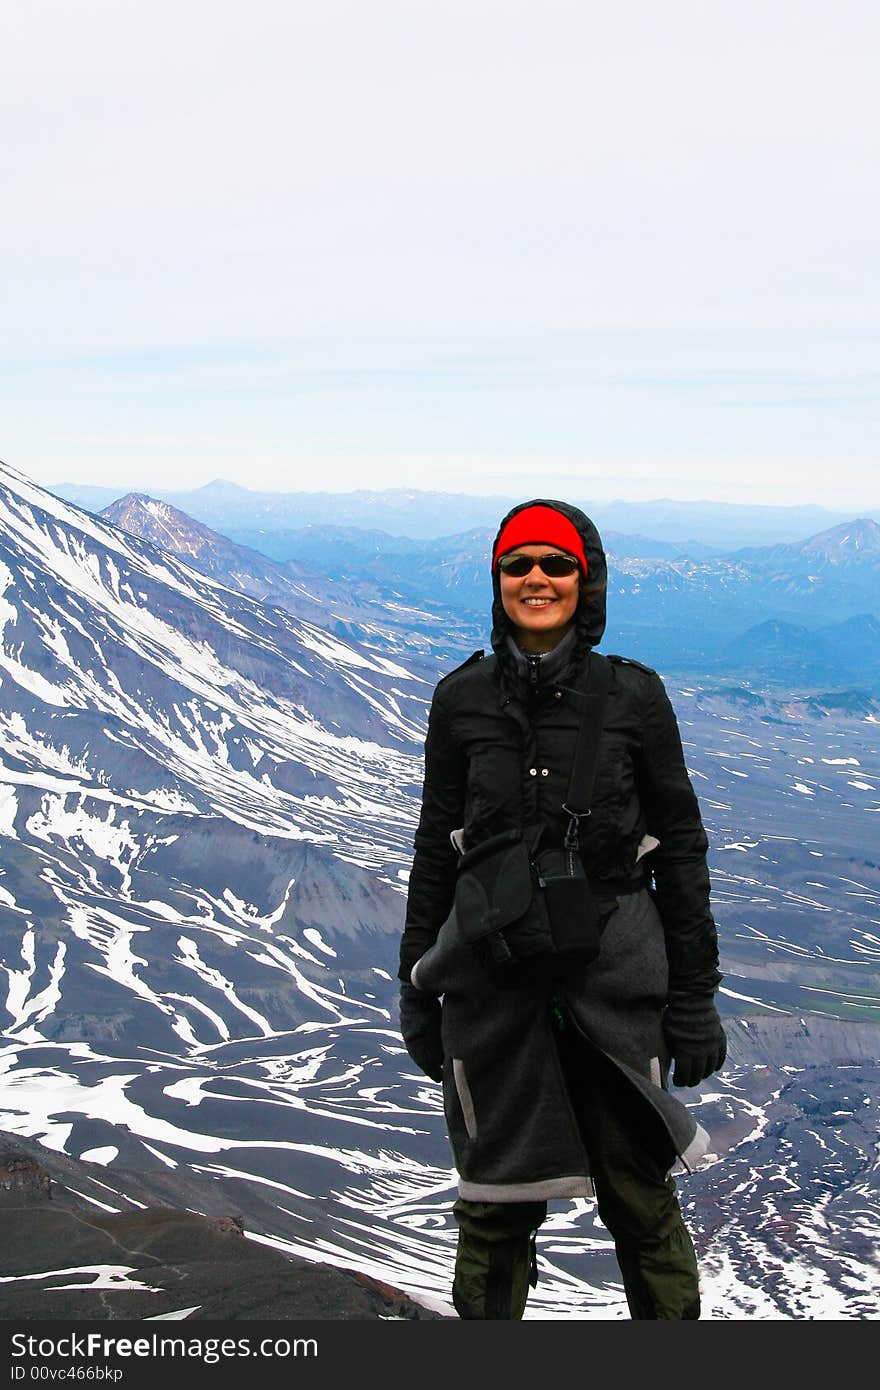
point(820, 597)
point(207, 804)
point(365, 545)
point(846, 653)
point(692, 528)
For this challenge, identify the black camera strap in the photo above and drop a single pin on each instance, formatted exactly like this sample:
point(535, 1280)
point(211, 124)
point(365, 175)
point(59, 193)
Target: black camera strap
point(583, 767)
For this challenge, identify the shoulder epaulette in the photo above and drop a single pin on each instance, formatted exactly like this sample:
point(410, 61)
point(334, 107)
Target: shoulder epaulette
point(629, 661)
point(474, 656)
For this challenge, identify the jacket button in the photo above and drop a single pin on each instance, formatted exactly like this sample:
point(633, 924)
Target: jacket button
point(533, 772)
point(545, 772)
point(557, 694)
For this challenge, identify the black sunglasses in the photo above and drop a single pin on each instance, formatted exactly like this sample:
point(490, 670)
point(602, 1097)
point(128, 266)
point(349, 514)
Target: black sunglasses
point(554, 566)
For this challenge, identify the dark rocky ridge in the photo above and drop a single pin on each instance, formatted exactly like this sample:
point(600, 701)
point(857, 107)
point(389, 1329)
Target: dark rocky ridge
point(60, 1232)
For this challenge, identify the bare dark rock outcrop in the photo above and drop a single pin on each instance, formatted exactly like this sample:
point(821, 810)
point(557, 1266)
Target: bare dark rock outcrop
point(23, 1176)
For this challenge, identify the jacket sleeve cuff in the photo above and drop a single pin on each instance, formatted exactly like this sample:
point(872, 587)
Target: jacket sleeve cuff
point(416, 940)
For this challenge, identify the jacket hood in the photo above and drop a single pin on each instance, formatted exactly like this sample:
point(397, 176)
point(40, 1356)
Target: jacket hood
point(589, 616)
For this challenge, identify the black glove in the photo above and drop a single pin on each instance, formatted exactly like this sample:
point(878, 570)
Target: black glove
point(695, 1038)
point(420, 1029)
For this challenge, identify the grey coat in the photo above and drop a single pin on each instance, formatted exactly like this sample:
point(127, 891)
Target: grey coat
point(510, 1120)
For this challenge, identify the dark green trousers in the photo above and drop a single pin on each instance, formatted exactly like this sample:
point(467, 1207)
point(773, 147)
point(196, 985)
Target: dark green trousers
point(495, 1260)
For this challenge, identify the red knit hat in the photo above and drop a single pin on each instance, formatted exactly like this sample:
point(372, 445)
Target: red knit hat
point(536, 525)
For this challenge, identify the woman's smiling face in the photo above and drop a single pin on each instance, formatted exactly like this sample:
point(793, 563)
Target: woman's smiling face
point(542, 609)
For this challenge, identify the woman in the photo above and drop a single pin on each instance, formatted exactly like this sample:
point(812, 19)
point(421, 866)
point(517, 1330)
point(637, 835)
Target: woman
point(560, 1089)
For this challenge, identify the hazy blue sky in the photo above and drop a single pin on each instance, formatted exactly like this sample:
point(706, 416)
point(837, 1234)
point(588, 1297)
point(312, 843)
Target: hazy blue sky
point(468, 244)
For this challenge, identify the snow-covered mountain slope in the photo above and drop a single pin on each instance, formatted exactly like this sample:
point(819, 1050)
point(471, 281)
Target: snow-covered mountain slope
point(206, 816)
point(372, 614)
point(155, 685)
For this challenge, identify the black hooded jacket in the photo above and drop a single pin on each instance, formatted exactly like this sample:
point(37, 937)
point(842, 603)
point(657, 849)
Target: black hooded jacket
point(498, 755)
